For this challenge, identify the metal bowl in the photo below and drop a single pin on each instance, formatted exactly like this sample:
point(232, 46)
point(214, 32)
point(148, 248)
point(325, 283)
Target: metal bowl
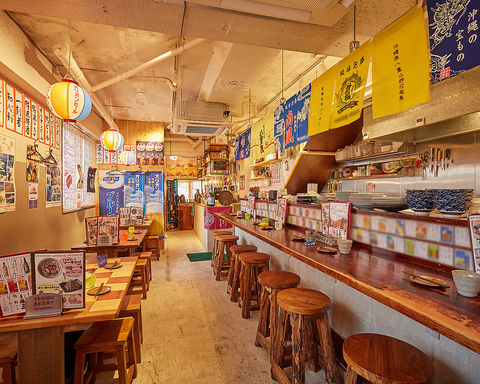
point(392, 166)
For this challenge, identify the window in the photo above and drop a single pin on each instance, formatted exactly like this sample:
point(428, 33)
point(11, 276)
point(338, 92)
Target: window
point(78, 157)
point(188, 188)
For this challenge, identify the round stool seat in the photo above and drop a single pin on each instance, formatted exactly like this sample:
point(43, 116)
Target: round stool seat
point(381, 359)
point(227, 238)
point(254, 257)
point(303, 301)
point(242, 248)
point(279, 279)
point(221, 232)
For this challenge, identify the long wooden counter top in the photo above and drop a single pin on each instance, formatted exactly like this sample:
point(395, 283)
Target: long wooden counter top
point(382, 279)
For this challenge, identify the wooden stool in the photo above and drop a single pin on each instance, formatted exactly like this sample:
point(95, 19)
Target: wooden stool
point(131, 307)
point(384, 360)
point(233, 284)
point(221, 263)
point(252, 264)
point(272, 282)
point(102, 337)
point(8, 359)
point(215, 243)
point(139, 279)
point(307, 309)
point(152, 243)
point(148, 257)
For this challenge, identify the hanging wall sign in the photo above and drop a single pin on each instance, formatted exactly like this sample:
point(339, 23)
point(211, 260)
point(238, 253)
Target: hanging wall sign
point(262, 141)
point(350, 80)
point(279, 127)
point(400, 65)
point(321, 103)
point(154, 200)
point(110, 193)
point(134, 189)
point(303, 109)
point(454, 37)
point(242, 145)
point(7, 175)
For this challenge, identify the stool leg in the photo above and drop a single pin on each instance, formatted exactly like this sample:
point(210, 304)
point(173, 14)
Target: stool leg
point(328, 350)
point(9, 372)
point(132, 356)
point(311, 346)
point(79, 365)
point(247, 291)
point(351, 376)
point(236, 280)
point(298, 348)
point(219, 261)
point(144, 283)
point(278, 344)
point(136, 337)
point(231, 272)
point(121, 364)
point(214, 251)
point(264, 319)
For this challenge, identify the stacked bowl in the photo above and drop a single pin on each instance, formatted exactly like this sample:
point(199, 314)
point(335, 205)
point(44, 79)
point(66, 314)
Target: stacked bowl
point(391, 204)
point(344, 196)
point(364, 200)
point(420, 200)
point(453, 202)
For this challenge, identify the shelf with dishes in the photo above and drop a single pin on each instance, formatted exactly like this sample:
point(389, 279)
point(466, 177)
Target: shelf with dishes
point(260, 177)
point(265, 163)
point(359, 157)
point(388, 170)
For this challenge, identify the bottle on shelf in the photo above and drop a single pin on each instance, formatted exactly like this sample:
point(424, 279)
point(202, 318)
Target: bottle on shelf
point(210, 198)
point(198, 197)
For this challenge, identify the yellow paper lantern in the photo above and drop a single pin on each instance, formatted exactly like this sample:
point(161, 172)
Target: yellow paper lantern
point(69, 101)
point(111, 140)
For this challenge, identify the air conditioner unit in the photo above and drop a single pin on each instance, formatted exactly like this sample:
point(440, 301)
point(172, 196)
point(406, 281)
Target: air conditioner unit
point(200, 128)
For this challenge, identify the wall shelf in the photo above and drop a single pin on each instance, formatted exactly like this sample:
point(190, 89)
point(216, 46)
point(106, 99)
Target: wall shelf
point(265, 163)
point(260, 177)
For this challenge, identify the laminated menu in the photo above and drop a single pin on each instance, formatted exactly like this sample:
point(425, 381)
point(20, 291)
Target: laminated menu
point(109, 226)
point(15, 283)
point(124, 214)
point(91, 230)
point(62, 273)
point(336, 219)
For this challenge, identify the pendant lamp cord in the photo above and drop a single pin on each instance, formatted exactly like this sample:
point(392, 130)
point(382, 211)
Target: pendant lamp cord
point(282, 100)
point(354, 22)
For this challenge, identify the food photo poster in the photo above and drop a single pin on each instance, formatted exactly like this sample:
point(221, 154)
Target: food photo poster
point(62, 273)
point(15, 283)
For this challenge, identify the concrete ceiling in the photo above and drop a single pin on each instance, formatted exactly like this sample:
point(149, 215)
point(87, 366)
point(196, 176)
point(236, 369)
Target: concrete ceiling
point(243, 51)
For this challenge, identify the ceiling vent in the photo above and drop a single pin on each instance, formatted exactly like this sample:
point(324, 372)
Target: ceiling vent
point(199, 128)
point(202, 119)
point(321, 12)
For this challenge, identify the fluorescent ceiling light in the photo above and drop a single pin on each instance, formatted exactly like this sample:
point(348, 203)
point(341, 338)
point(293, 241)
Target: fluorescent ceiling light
point(267, 9)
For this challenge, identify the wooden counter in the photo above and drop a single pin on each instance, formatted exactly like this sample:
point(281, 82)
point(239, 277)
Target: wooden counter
point(382, 279)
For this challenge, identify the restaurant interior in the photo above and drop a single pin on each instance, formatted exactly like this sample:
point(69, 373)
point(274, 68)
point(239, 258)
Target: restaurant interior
point(239, 191)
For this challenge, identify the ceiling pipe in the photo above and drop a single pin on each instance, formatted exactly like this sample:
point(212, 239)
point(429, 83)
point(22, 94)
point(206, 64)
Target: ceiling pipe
point(64, 53)
point(148, 64)
point(153, 79)
point(193, 143)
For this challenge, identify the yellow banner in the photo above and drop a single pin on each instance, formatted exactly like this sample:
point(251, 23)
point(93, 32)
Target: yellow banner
point(400, 65)
point(262, 141)
point(350, 80)
point(321, 103)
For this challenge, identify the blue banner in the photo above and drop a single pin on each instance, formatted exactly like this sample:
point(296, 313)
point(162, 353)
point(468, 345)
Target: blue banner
point(110, 193)
point(279, 127)
point(154, 207)
point(454, 40)
point(242, 145)
point(133, 190)
point(303, 109)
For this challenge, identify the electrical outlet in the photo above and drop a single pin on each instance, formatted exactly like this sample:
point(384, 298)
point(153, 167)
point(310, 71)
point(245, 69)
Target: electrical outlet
point(419, 121)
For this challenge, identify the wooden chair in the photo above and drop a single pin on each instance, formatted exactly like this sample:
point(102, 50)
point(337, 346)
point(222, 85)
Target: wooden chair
point(233, 284)
point(101, 337)
point(272, 282)
point(139, 279)
point(215, 244)
point(307, 309)
point(151, 243)
point(385, 360)
point(252, 264)
point(223, 255)
point(131, 307)
point(8, 359)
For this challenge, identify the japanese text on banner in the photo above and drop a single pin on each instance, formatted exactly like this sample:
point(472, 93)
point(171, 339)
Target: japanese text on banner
point(321, 103)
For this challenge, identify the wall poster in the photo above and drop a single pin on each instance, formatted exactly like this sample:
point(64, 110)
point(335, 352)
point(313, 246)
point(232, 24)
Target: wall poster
point(133, 189)
point(149, 153)
point(62, 273)
point(110, 192)
point(15, 283)
point(7, 177)
point(474, 224)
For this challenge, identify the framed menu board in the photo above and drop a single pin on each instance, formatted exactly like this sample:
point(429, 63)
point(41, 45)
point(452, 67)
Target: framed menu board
point(91, 230)
point(62, 273)
point(109, 226)
point(251, 204)
point(124, 213)
point(15, 283)
point(281, 213)
point(336, 219)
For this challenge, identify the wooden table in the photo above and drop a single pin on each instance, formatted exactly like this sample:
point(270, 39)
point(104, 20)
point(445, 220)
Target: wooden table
point(381, 278)
point(110, 249)
point(41, 357)
point(146, 224)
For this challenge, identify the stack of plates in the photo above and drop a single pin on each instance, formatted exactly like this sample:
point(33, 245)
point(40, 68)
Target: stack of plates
point(364, 200)
point(344, 196)
point(392, 204)
point(420, 200)
point(453, 202)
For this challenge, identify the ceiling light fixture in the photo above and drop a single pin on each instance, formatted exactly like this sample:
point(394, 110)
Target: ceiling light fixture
point(354, 44)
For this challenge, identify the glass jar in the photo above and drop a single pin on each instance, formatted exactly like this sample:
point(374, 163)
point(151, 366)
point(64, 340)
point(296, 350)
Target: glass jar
point(474, 206)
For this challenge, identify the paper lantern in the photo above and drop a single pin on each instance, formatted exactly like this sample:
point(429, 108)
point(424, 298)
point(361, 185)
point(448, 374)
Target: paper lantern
point(68, 101)
point(128, 157)
point(111, 140)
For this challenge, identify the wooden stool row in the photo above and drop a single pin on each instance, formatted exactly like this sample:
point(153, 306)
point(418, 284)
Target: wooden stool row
point(222, 257)
point(233, 285)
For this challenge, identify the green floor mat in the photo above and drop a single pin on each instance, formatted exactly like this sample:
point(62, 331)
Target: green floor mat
point(201, 256)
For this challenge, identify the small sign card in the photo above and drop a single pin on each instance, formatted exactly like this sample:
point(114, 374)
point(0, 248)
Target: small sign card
point(43, 305)
point(91, 230)
point(124, 213)
point(137, 215)
point(281, 213)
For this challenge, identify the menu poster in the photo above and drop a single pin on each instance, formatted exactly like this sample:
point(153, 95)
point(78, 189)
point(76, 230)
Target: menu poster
point(61, 272)
point(149, 153)
point(7, 175)
point(53, 185)
point(251, 204)
point(474, 224)
point(91, 230)
point(124, 214)
point(137, 215)
point(15, 283)
point(325, 217)
point(281, 213)
point(108, 226)
point(339, 220)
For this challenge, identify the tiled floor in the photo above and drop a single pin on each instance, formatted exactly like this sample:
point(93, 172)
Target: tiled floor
point(193, 333)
